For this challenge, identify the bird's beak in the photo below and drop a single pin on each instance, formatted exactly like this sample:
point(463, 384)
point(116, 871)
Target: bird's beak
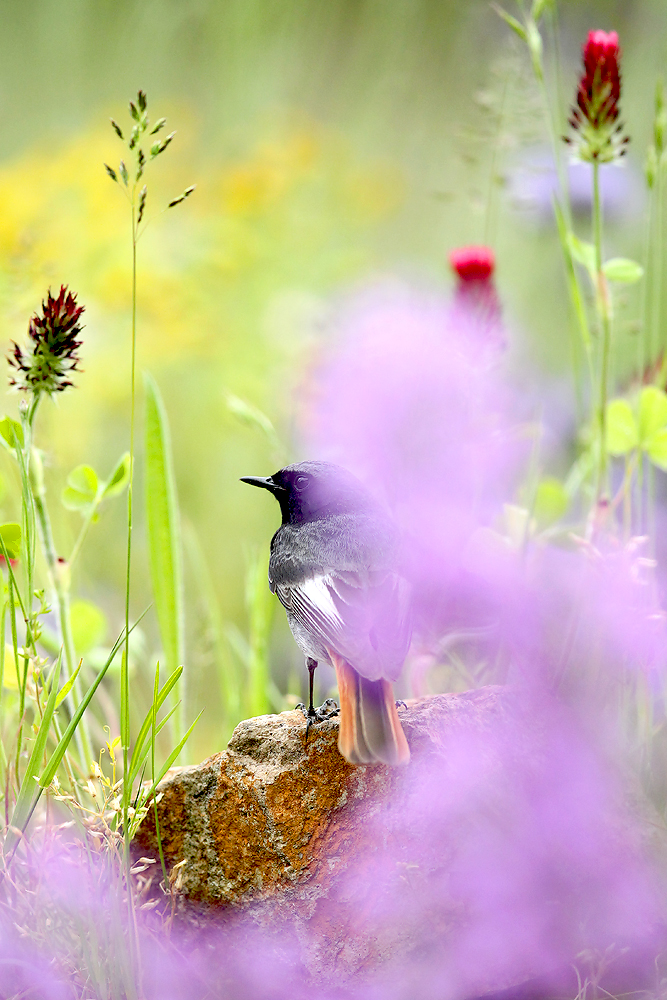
point(266, 484)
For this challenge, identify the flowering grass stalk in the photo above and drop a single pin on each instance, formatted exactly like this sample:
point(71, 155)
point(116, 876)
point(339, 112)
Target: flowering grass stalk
point(136, 192)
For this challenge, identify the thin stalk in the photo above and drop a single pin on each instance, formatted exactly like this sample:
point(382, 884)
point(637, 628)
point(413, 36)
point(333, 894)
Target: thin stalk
point(58, 573)
point(158, 836)
point(564, 200)
point(82, 534)
point(134, 956)
point(125, 666)
point(3, 623)
point(602, 303)
point(656, 344)
point(491, 200)
point(627, 498)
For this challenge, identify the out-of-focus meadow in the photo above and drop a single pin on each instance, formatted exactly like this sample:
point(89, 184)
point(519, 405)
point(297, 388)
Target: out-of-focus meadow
point(333, 144)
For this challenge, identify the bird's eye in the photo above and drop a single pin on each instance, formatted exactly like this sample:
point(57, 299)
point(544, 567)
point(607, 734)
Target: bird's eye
point(301, 482)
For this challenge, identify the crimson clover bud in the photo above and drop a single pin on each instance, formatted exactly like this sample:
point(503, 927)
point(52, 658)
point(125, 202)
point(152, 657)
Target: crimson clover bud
point(51, 354)
point(598, 135)
point(476, 303)
point(473, 264)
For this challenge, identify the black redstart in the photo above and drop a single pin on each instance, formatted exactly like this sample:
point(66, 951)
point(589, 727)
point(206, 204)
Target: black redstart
point(333, 566)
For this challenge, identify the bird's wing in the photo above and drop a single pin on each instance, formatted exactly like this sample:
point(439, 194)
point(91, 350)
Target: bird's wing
point(362, 617)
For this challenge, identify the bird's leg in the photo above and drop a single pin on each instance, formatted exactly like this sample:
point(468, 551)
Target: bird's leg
point(326, 711)
point(312, 667)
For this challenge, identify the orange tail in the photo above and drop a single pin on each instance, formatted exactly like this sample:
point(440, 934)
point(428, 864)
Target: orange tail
point(370, 729)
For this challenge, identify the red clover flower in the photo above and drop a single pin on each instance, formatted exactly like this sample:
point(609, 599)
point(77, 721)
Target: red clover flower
point(51, 354)
point(598, 134)
point(473, 263)
point(476, 302)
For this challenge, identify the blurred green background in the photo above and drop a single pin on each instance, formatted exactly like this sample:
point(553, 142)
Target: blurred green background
point(332, 142)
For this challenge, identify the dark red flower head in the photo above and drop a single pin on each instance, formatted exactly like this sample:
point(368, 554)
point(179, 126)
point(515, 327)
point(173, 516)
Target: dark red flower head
point(596, 111)
point(600, 85)
point(476, 307)
point(51, 353)
point(473, 263)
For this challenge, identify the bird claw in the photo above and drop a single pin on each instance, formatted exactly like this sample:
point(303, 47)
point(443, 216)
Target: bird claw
point(325, 711)
point(400, 703)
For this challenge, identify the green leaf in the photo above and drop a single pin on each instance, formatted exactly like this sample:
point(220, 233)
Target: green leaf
point(66, 688)
point(175, 752)
point(656, 448)
point(9, 428)
point(29, 791)
point(551, 502)
point(163, 528)
point(119, 478)
point(261, 606)
point(622, 429)
point(59, 752)
point(89, 626)
point(535, 43)
point(11, 536)
point(250, 415)
point(539, 7)
point(652, 412)
point(623, 270)
point(141, 747)
point(81, 490)
point(515, 25)
point(583, 253)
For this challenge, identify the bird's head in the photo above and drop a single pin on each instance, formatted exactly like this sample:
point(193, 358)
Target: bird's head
point(311, 491)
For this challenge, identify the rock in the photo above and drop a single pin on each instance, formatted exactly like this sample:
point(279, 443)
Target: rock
point(484, 857)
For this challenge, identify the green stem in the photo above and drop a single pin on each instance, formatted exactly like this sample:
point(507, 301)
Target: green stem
point(82, 534)
point(491, 200)
point(59, 572)
point(134, 955)
point(125, 666)
point(602, 305)
point(3, 626)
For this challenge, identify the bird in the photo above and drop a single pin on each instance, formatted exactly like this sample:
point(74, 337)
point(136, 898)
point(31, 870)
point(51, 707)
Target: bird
point(334, 568)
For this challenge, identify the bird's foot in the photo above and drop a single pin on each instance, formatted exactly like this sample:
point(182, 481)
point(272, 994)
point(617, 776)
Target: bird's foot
point(400, 703)
point(327, 710)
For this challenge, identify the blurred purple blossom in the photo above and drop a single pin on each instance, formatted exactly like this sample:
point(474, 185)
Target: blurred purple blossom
point(533, 184)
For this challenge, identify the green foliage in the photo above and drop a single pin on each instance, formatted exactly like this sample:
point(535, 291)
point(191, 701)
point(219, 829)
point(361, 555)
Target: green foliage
point(163, 527)
point(642, 427)
point(260, 604)
point(622, 429)
point(89, 625)
point(30, 791)
point(81, 490)
point(622, 270)
point(11, 539)
point(583, 253)
point(85, 492)
point(551, 502)
point(11, 432)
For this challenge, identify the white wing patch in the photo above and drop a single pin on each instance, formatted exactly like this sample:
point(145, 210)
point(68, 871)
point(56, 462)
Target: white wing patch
point(312, 602)
point(367, 625)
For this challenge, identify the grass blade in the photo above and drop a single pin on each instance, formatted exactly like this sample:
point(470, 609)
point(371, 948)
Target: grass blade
point(58, 754)
point(164, 534)
point(260, 604)
point(140, 748)
point(230, 668)
point(30, 791)
point(174, 753)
